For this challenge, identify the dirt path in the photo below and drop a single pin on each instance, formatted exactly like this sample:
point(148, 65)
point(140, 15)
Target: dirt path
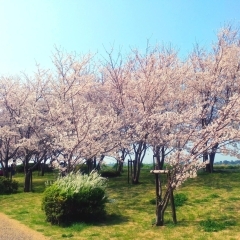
point(11, 229)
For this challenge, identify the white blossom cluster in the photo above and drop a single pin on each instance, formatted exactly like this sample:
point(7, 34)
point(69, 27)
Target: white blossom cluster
point(75, 182)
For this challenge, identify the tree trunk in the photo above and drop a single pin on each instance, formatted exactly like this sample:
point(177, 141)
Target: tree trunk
point(28, 181)
point(138, 171)
point(42, 168)
point(120, 166)
point(99, 163)
point(94, 163)
point(160, 209)
point(159, 153)
point(135, 169)
point(159, 215)
point(163, 158)
point(42, 165)
point(209, 166)
point(140, 151)
point(90, 165)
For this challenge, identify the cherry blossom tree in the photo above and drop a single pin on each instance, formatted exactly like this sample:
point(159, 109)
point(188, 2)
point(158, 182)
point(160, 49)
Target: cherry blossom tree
point(8, 131)
point(79, 115)
point(208, 119)
point(216, 78)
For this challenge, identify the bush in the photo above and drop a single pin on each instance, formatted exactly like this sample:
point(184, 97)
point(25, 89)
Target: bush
point(75, 197)
point(8, 185)
point(20, 168)
point(83, 168)
point(110, 173)
point(179, 199)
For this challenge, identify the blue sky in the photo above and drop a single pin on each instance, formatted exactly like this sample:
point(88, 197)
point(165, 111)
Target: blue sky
point(29, 29)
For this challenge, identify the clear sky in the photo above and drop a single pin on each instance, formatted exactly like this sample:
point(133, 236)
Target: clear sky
point(29, 29)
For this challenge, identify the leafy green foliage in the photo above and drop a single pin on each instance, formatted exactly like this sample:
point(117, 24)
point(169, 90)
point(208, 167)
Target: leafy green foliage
point(83, 168)
point(8, 185)
point(180, 199)
point(75, 197)
point(20, 168)
point(110, 173)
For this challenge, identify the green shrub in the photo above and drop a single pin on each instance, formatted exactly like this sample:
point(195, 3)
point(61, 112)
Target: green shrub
point(83, 168)
point(110, 173)
point(20, 168)
point(76, 197)
point(179, 199)
point(8, 185)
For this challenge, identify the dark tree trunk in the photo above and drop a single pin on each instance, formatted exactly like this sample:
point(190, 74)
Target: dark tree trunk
point(159, 215)
point(90, 165)
point(120, 166)
point(134, 177)
point(161, 207)
point(162, 203)
point(123, 155)
point(159, 153)
point(42, 165)
point(163, 158)
point(94, 163)
point(137, 176)
point(209, 166)
point(5, 159)
point(99, 163)
point(28, 172)
point(140, 151)
point(28, 181)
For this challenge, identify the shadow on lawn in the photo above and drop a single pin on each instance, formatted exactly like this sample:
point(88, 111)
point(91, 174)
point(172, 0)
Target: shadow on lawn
point(112, 219)
point(108, 220)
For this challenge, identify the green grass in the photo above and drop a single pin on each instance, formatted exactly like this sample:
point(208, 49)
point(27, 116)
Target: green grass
point(210, 209)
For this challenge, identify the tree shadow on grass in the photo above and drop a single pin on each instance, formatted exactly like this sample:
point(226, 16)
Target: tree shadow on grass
point(107, 220)
point(111, 219)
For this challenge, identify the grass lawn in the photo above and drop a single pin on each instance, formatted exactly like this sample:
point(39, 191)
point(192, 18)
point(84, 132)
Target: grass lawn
point(212, 209)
